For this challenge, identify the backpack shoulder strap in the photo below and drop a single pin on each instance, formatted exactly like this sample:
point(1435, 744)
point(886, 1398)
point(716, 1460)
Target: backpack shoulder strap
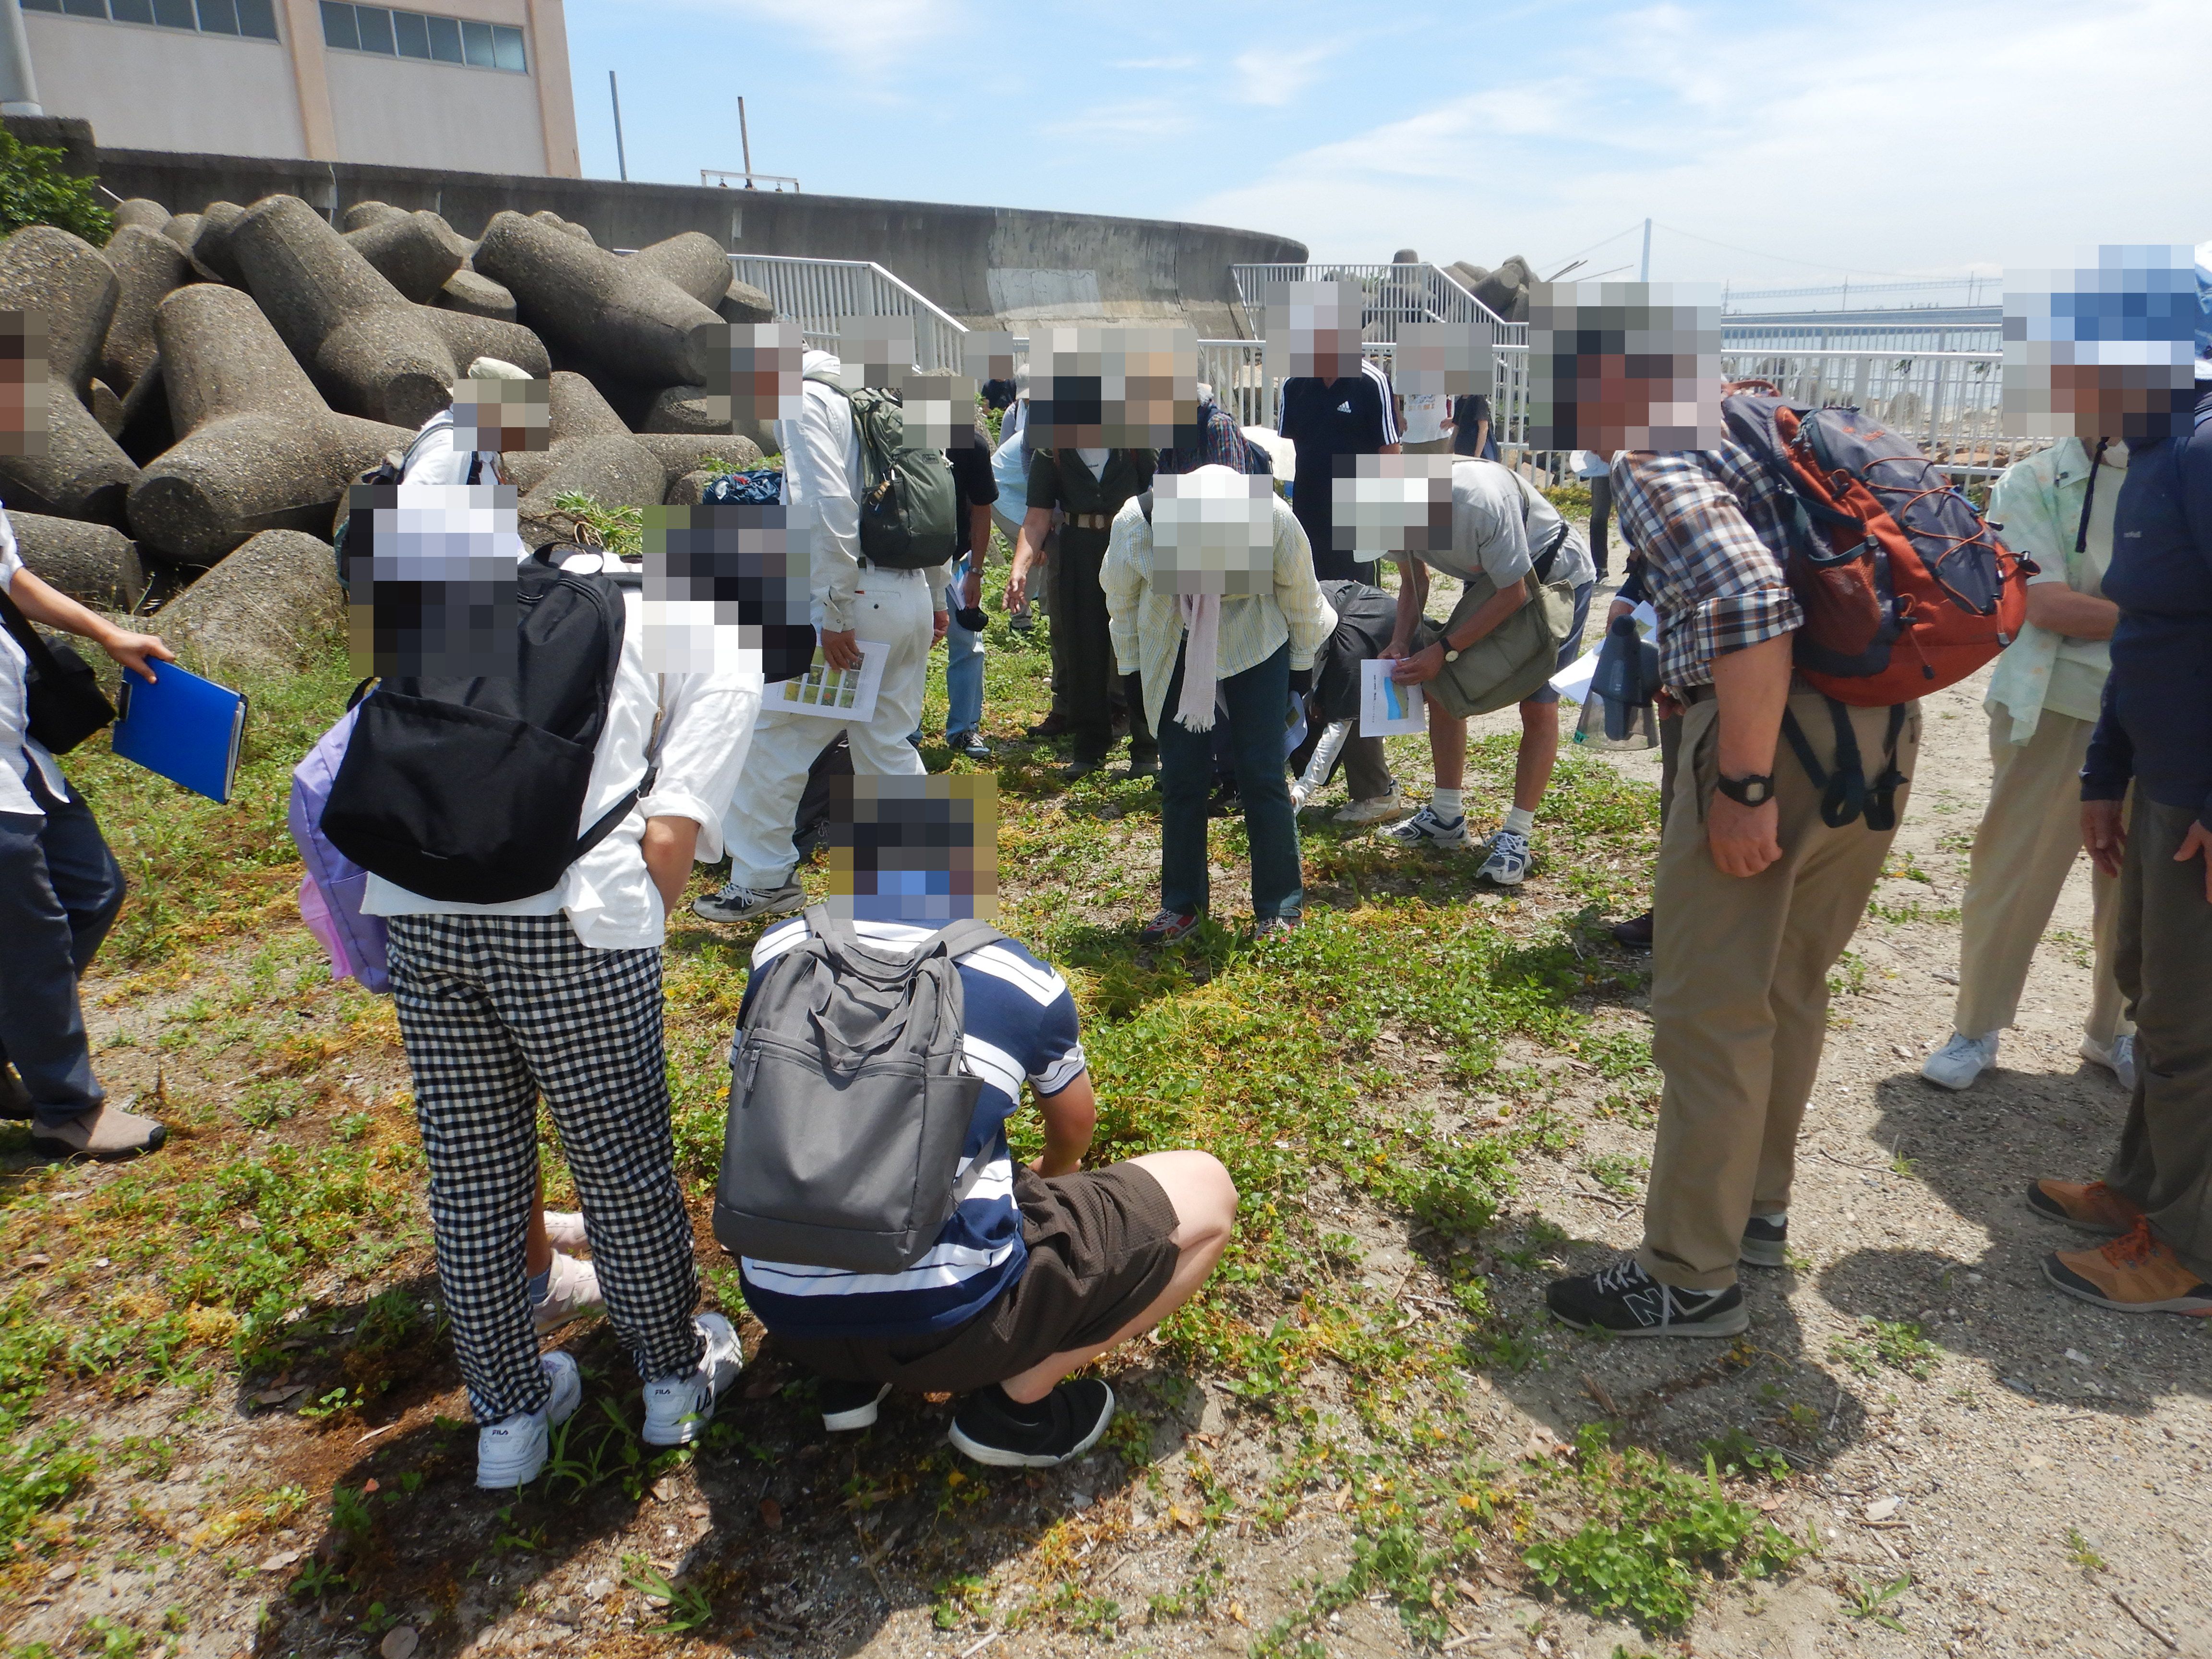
point(957, 938)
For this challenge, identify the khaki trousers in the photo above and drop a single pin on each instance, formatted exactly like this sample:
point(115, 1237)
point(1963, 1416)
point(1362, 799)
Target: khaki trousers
point(1740, 991)
point(2163, 959)
point(2030, 835)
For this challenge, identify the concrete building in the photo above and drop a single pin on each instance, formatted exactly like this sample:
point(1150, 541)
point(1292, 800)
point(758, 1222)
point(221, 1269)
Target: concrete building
point(473, 86)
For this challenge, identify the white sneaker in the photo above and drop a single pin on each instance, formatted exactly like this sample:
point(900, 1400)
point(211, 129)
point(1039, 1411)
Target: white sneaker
point(740, 904)
point(2118, 1057)
point(511, 1454)
point(1960, 1061)
point(564, 1229)
point(571, 1290)
point(678, 1408)
point(1373, 811)
point(1425, 828)
point(1505, 860)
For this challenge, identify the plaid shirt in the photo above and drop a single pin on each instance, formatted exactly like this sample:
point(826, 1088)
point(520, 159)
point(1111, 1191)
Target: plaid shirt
point(1708, 525)
point(1220, 443)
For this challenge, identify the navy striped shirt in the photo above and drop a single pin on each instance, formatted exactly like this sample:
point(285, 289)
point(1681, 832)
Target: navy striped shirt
point(1019, 1024)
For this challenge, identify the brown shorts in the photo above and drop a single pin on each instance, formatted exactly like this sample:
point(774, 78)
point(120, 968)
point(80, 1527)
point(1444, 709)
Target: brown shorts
point(1100, 1249)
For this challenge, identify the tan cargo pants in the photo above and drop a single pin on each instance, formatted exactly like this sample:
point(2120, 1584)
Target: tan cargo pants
point(1740, 990)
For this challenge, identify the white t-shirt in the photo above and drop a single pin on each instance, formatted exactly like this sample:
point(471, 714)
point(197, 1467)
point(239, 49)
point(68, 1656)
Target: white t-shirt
point(1425, 416)
point(1094, 459)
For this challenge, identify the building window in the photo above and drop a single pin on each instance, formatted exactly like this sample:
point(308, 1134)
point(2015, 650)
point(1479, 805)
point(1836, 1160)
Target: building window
point(254, 19)
point(391, 33)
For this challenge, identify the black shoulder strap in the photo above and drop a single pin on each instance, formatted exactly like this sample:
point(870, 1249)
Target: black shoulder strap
point(20, 630)
point(2082, 530)
point(1845, 795)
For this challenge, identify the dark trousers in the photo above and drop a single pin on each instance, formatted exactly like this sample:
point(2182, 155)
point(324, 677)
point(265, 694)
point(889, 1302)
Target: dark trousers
point(59, 890)
point(1258, 699)
point(1086, 655)
point(2163, 962)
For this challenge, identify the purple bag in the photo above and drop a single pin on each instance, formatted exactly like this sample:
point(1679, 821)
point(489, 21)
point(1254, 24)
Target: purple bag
point(332, 892)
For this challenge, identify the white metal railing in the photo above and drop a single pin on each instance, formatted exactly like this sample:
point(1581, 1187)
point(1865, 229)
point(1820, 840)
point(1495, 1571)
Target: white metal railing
point(818, 295)
point(1950, 328)
point(1952, 403)
point(1390, 294)
point(714, 176)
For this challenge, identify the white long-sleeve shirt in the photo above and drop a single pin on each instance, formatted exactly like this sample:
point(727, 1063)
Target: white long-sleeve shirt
point(822, 472)
point(706, 727)
point(19, 750)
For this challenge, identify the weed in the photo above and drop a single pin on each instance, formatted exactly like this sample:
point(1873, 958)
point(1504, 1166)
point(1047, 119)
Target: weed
point(2081, 1553)
point(964, 1599)
point(114, 1638)
point(1848, 978)
point(1618, 1173)
point(318, 1578)
point(1874, 1604)
point(335, 1403)
point(1896, 1343)
point(350, 1513)
point(38, 1468)
point(686, 1606)
point(1738, 1456)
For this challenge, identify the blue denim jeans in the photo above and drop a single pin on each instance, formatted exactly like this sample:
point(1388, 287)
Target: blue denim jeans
point(1258, 699)
point(59, 890)
point(964, 663)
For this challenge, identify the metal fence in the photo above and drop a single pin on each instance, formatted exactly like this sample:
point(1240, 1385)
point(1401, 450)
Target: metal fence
point(818, 294)
point(1922, 328)
point(1391, 294)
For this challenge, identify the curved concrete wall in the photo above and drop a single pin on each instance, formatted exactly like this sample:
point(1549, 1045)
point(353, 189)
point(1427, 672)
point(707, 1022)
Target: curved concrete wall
point(991, 267)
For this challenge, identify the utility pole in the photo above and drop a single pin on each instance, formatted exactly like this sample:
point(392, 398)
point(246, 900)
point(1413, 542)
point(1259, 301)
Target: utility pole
point(745, 140)
point(19, 88)
point(621, 162)
point(1644, 274)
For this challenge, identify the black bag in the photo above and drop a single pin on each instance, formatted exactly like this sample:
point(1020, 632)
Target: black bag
point(63, 702)
point(468, 790)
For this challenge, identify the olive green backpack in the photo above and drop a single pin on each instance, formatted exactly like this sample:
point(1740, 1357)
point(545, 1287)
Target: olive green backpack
point(907, 503)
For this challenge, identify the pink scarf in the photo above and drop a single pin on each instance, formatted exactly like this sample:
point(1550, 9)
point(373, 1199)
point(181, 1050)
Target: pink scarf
point(1202, 621)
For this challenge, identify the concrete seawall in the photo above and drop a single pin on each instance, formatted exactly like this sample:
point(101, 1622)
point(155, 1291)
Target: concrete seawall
point(990, 267)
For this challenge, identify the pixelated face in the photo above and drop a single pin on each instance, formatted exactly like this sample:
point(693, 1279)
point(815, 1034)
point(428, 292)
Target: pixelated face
point(938, 409)
point(1113, 388)
point(987, 354)
point(755, 372)
point(503, 415)
point(1313, 329)
point(430, 586)
point(724, 583)
point(1390, 504)
point(23, 383)
point(875, 351)
point(2105, 349)
point(1617, 365)
point(1452, 359)
point(923, 850)
point(1213, 532)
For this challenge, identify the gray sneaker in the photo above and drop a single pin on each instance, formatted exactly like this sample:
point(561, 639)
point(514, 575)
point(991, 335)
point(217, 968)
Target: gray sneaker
point(571, 1290)
point(1426, 829)
point(1505, 861)
point(738, 903)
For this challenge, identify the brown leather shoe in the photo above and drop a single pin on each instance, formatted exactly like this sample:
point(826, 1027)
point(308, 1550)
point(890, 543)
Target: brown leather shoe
point(2091, 1206)
point(1635, 932)
point(1050, 726)
point(104, 1134)
point(2137, 1273)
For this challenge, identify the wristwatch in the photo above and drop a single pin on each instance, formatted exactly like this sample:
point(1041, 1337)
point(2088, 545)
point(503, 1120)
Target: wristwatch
point(1754, 791)
point(1451, 653)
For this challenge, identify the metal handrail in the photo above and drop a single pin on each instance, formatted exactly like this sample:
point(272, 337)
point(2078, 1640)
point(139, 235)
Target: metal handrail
point(711, 175)
point(818, 295)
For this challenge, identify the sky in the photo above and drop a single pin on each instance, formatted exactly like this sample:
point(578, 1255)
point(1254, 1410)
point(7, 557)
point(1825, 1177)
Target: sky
point(1800, 143)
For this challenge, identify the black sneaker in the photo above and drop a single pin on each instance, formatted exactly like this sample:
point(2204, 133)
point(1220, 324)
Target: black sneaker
point(1766, 1241)
point(1628, 1302)
point(846, 1406)
point(1073, 1418)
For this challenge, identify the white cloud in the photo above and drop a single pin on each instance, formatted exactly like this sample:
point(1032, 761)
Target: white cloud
point(1273, 76)
point(1119, 123)
point(873, 38)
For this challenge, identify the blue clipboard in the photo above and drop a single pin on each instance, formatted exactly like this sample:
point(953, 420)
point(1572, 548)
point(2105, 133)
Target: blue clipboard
point(188, 729)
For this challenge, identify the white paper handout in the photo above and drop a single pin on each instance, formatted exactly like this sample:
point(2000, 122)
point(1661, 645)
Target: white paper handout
point(837, 694)
point(1573, 680)
point(1387, 709)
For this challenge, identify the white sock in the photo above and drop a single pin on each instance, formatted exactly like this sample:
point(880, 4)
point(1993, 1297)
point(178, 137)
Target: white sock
point(1444, 803)
point(1518, 822)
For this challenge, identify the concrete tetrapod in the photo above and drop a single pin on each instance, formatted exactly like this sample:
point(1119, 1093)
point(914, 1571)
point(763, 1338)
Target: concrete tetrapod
point(415, 253)
point(260, 450)
point(138, 210)
point(475, 295)
point(83, 474)
point(210, 246)
point(371, 352)
point(267, 609)
point(149, 267)
point(591, 451)
point(610, 314)
point(694, 261)
point(95, 563)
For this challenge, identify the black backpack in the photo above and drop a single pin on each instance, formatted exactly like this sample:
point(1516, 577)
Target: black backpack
point(468, 790)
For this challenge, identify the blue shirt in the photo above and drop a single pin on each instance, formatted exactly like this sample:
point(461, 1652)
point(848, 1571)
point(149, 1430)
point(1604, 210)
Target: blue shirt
point(1019, 1023)
point(2157, 722)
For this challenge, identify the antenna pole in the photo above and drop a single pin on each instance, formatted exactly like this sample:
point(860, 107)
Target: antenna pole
point(621, 162)
point(745, 139)
point(1644, 274)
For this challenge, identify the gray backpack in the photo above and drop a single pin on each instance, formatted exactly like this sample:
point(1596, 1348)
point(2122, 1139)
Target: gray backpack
point(849, 1103)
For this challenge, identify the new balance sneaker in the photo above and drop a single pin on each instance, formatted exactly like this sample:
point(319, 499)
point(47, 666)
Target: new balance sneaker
point(2118, 1057)
point(1168, 926)
point(2091, 1206)
point(1376, 809)
point(564, 1229)
point(1426, 829)
point(848, 1405)
point(1059, 1428)
point(571, 1290)
point(1628, 1302)
point(1960, 1061)
point(738, 903)
point(512, 1453)
point(677, 1409)
point(2137, 1272)
point(1505, 860)
point(1766, 1240)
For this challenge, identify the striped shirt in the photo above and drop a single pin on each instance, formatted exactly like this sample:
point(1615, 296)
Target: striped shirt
point(1709, 523)
point(1019, 1024)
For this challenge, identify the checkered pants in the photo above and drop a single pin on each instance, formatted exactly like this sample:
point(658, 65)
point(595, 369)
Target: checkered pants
point(493, 1011)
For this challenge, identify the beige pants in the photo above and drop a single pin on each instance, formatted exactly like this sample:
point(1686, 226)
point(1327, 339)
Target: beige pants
point(2030, 835)
point(1740, 991)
